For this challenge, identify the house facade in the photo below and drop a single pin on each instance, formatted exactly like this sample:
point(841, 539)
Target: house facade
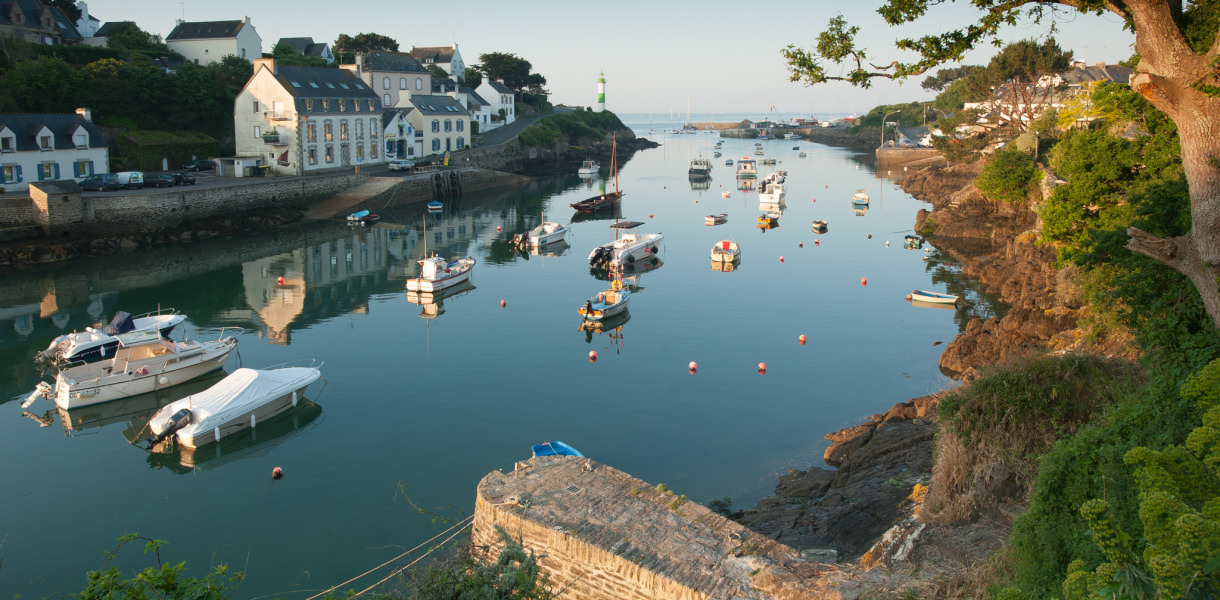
point(446, 57)
point(305, 120)
point(208, 42)
point(305, 46)
point(46, 147)
point(401, 138)
point(442, 122)
point(36, 23)
point(395, 76)
point(502, 100)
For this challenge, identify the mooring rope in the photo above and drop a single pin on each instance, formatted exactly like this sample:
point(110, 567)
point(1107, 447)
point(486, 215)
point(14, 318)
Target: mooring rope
point(412, 563)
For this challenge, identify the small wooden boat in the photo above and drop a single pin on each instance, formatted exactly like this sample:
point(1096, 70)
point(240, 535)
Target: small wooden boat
point(912, 242)
point(726, 251)
point(819, 226)
point(860, 197)
point(725, 194)
point(933, 297)
point(370, 219)
point(240, 401)
point(606, 304)
point(555, 449)
point(716, 219)
point(607, 200)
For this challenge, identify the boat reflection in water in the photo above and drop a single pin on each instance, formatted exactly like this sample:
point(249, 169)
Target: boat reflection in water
point(615, 212)
point(611, 326)
point(559, 248)
point(649, 266)
point(248, 443)
point(726, 266)
point(134, 411)
point(860, 209)
point(699, 183)
point(432, 304)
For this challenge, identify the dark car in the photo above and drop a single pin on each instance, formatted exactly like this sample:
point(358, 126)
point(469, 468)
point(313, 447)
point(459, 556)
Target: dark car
point(183, 178)
point(200, 164)
point(101, 182)
point(158, 180)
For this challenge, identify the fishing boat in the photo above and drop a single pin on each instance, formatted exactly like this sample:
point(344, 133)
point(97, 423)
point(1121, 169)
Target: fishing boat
point(801, 154)
point(716, 154)
point(860, 197)
point(628, 247)
point(144, 362)
point(700, 167)
point(609, 199)
point(933, 297)
point(726, 251)
point(555, 449)
point(589, 167)
point(716, 219)
point(94, 343)
point(435, 273)
point(771, 189)
point(765, 135)
point(548, 232)
point(819, 226)
point(606, 304)
point(747, 168)
point(770, 219)
point(240, 401)
point(768, 161)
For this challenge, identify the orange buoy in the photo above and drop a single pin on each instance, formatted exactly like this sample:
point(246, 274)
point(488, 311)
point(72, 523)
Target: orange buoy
point(863, 281)
point(277, 473)
point(800, 244)
point(870, 236)
point(781, 259)
point(593, 356)
point(502, 304)
point(497, 228)
point(280, 280)
point(801, 339)
point(762, 368)
point(692, 367)
point(908, 297)
point(817, 242)
point(650, 214)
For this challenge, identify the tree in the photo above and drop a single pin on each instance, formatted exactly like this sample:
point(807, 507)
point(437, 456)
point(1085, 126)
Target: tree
point(45, 85)
point(364, 42)
point(1178, 72)
point(1017, 83)
point(944, 77)
point(507, 67)
point(474, 77)
point(68, 7)
point(126, 35)
point(286, 55)
point(437, 72)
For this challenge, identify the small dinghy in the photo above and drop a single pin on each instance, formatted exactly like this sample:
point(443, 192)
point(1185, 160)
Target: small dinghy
point(933, 297)
point(819, 226)
point(555, 448)
point(726, 251)
point(716, 219)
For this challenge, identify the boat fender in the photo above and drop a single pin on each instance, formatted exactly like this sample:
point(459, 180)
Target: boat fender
point(253, 421)
point(294, 399)
point(653, 249)
point(630, 258)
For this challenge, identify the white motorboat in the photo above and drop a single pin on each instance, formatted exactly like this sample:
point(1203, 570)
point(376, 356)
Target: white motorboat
point(436, 274)
point(771, 189)
point(726, 251)
point(242, 400)
point(144, 362)
point(606, 304)
point(96, 342)
point(860, 197)
point(627, 249)
point(589, 167)
point(549, 232)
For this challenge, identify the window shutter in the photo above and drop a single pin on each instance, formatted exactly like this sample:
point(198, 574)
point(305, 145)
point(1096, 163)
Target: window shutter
point(75, 169)
point(90, 167)
point(56, 170)
point(19, 176)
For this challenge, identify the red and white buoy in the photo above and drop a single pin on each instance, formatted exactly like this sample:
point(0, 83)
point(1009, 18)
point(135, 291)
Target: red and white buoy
point(497, 228)
point(908, 297)
point(863, 281)
point(280, 280)
point(692, 367)
point(277, 473)
point(801, 339)
point(762, 368)
point(781, 259)
point(800, 244)
point(593, 356)
point(503, 304)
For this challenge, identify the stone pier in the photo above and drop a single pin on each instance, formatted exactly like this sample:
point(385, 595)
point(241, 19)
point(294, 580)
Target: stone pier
point(605, 535)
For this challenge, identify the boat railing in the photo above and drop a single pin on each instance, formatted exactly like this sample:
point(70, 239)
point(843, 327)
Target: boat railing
point(157, 313)
point(307, 363)
point(221, 331)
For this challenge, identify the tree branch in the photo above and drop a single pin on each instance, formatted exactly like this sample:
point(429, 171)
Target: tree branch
point(1179, 254)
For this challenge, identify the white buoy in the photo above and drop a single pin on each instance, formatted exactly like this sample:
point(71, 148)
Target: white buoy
point(252, 421)
point(216, 432)
point(163, 380)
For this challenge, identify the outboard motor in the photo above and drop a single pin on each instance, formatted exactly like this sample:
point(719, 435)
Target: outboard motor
point(519, 240)
point(180, 419)
point(600, 258)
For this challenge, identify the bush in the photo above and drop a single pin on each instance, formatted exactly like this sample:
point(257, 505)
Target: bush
point(1008, 176)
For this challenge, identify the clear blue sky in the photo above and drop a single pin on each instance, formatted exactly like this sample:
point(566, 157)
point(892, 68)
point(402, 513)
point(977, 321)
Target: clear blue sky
point(711, 57)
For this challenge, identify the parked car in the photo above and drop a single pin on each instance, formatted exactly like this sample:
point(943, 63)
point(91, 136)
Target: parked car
point(101, 182)
point(131, 179)
point(159, 180)
point(199, 164)
point(183, 178)
point(400, 164)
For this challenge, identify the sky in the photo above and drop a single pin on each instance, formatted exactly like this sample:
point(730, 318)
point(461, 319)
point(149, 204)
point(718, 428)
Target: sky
point(662, 58)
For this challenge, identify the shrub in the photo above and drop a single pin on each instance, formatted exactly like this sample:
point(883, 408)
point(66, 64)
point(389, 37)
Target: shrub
point(1008, 176)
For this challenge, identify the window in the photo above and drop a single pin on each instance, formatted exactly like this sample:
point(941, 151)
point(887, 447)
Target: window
point(359, 129)
point(461, 125)
point(461, 143)
point(373, 150)
point(258, 131)
point(342, 105)
point(44, 142)
point(313, 155)
point(436, 125)
point(343, 130)
point(12, 174)
point(359, 152)
point(330, 154)
point(436, 144)
point(373, 105)
point(243, 52)
point(448, 125)
point(82, 168)
point(256, 106)
point(402, 83)
point(386, 99)
point(326, 105)
point(48, 170)
point(312, 133)
point(309, 104)
point(385, 83)
point(328, 132)
point(373, 128)
point(419, 83)
point(6, 144)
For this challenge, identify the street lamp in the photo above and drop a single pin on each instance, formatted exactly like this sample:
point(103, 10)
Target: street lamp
point(887, 115)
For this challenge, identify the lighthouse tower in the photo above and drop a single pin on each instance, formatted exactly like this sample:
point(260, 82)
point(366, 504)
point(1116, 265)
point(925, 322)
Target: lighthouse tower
point(601, 92)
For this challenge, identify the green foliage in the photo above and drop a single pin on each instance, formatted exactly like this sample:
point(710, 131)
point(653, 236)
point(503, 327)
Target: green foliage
point(363, 42)
point(945, 77)
point(515, 72)
point(286, 55)
point(514, 576)
point(126, 35)
point(1008, 176)
point(437, 72)
point(163, 581)
point(78, 55)
point(474, 77)
point(576, 127)
point(144, 150)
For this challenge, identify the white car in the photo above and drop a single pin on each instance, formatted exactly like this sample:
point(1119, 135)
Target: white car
point(400, 164)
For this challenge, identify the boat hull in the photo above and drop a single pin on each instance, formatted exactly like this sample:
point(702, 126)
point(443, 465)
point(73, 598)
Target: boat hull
point(455, 276)
point(933, 297)
point(143, 377)
point(603, 202)
point(246, 420)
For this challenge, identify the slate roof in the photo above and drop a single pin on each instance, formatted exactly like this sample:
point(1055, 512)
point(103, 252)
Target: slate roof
point(324, 82)
point(25, 127)
point(33, 11)
point(391, 61)
point(1082, 74)
point(438, 105)
point(499, 87)
point(433, 54)
point(473, 95)
point(205, 30)
point(303, 45)
point(109, 27)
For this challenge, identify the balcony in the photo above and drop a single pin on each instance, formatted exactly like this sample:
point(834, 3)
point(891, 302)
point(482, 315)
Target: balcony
point(274, 139)
point(279, 115)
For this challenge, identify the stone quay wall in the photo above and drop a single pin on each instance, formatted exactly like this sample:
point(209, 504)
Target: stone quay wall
point(16, 212)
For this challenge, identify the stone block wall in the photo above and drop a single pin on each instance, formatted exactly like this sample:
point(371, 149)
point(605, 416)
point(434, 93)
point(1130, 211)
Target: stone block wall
point(16, 212)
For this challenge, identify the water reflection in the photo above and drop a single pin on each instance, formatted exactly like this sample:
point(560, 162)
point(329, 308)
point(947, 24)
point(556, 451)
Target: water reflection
point(432, 304)
point(135, 411)
point(611, 327)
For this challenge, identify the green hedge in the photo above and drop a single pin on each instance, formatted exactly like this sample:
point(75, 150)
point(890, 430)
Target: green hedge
point(144, 150)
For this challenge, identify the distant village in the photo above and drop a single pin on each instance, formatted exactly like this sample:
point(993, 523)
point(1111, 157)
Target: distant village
point(288, 119)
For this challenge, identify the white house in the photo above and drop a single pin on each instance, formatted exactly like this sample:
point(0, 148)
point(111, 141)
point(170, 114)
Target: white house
point(446, 57)
point(305, 46)
point(502, 101)
point(303, 120)
point(208, 42)
point(394, 75)
point(479, 109)
point(442, 121)
point(43, 147)
point(401, 138)
point(87, 24)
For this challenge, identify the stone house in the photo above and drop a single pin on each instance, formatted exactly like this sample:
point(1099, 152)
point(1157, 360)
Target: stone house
point(305, 46)
point(36, 23)
point(396, 76)
point(443, 123)
point(208, 42)
point(305, 120)
point(502, 100)
point(446, 57)
point(48, 147)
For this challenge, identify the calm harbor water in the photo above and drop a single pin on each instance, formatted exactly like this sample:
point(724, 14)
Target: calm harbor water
point(419, 402)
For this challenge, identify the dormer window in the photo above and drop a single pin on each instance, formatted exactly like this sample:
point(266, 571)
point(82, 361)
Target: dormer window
point(44, 142)
point(7, 145)
point(82, 140)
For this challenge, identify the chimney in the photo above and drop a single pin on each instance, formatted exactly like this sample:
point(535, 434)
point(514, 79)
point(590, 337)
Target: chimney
point(245, 19)
point(1101, 64)
point(178, 22)
point(269, 63)
point(85, 113)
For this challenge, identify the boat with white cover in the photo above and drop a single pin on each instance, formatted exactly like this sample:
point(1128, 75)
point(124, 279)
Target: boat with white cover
point(240, 401)
point(548, 232)
point(629, 246)
point(96, 342)
point(144, 362)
